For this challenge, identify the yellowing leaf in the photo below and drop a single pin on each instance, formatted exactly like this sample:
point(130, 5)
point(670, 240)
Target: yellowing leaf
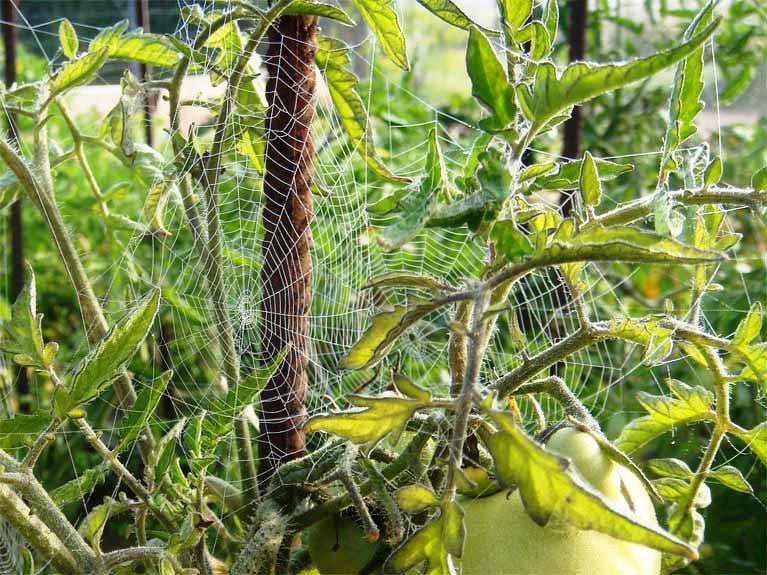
point(416, 498)
point(68, 39)
point(382, 416)
point(77, 72)
point(548, 487)
point(378, 339)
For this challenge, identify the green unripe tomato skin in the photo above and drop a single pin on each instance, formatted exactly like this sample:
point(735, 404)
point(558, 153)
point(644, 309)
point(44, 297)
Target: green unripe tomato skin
point(502, 539)
point(338, 546)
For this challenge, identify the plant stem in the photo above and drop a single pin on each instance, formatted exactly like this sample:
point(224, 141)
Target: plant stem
point(36, 533)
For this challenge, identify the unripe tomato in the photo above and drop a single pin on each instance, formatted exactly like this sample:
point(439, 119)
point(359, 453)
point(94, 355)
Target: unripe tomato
point(338, 545)
point(502, 539)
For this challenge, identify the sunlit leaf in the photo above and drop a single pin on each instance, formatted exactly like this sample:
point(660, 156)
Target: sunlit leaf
point(416, 498)
point(509, 241)
point(68, 39)
point(319, 9)
point(80, 487)
point(22, 336)
point(755, 357)
point(78, 72)
point(756, 439)
point(380, 417)
point(750, 327)
point(550, 94)
point(333, 61)
point(687, 405)
point(490, 86)
point(151, 49)
point(670, 467)
point(381, 16)
point(405, 279)
point(731, 477)
point(590, 184)
point(378, 339)
point(759, 180)
point(685, 103)
point(548, 487)
point(452, 14)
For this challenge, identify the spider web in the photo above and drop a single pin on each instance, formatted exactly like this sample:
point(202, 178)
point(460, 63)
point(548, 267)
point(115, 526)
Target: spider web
point(345, 255)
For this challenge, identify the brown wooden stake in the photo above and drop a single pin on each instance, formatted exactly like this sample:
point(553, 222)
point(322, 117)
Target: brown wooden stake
point(287, 211)
point(145, 71)
point(15, 224)
point(576, 38)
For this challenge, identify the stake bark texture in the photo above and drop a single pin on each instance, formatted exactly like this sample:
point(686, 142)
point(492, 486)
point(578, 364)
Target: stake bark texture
point(287, 211)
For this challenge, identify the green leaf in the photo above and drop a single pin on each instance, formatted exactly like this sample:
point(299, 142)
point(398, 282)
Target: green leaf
point(416, 206)
point(509, 241)
point(685, 103)
point(405, 279)
point(489, 82)
point(626, 243)
point(382, 416)
point(383, 20)
point(406, 387)
point(755, 439)
point(731, 477)
point(68, 39)
point(151, 49)
point(568, 175)
point(590, 184)
point(551, 19)
point(313, 8)
point(755, 357)
point(108, 37)
point(667, 221)
point(141, 412)
point(550, 94)
point(79, 488)
point(514, 14)
point(97, 369)
point(333, 60)
point(22, 336)
point(713, 172)
point(687, 405)
point(77, 72)
point(759, 180)
point(22, 429)
point(416, 498)
point(452, 14)
point(432, 544)
point(548, 487)
point(670, 467)
point(750, 327)
point(536, 170)
point(379, 338)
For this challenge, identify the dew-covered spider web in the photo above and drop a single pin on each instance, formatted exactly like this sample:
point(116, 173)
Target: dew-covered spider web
point(345, 255)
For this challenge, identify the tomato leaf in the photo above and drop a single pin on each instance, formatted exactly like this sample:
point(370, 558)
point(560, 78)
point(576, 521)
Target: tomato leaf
point(383, 20)
point(141, 412)
point(449, 12)
point(550, 94)
point(333, 60)
point(590, 184)
point(77, 72)
point(731, 477)
point(313, 8)
point(22, 429)
point(68, 39)
point(687, 405)
point(97, 369)
point(548, 486)
point(416, 498)
point(750, 327)
point(382, 416)
point(379, 338)
point(490, 86)
point(755, 439)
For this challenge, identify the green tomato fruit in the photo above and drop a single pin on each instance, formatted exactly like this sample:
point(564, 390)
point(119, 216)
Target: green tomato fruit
point(501, 537)
point(339, 546)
